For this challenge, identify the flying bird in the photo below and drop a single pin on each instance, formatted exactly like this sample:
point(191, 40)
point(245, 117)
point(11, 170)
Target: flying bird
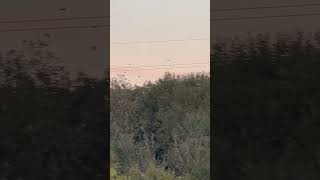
point(93, 48)
point(63, 9)
point(43, 44)
point(47, 35)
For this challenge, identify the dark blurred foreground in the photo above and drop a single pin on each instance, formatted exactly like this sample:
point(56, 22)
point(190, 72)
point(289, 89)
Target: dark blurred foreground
point(51, 126)
point(266, 102)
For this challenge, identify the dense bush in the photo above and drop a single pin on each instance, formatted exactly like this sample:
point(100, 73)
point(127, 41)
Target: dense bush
point(156, 173)
point(52, 125)
point(165, 124)
point(266, 107)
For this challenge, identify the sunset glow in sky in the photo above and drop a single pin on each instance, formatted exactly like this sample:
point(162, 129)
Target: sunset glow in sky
point(138, 29)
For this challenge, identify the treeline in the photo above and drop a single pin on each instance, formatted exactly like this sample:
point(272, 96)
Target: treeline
point(266, 97)
point(161, 130)
point(52, 126)
point(265, 115)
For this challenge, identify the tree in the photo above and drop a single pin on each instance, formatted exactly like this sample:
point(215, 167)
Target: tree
point(46, 117)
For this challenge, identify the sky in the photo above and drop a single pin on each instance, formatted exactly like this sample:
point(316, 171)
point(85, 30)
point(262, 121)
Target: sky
point(145, 20)
point(154, 20)
point(225, 29)
point(73, 46)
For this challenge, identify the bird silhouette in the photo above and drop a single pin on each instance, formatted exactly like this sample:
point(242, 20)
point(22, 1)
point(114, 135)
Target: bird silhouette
point(93, 48)
point(63, 9)
point(47, 35)
point(43, 44)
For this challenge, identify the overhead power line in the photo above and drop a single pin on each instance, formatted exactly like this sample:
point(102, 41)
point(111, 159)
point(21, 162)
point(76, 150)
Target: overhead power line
point(266, 7)
point(127, 67)
point(162, 68)
point(264, 17)
point(159, 41)
point(53, 19)
point(54, 28)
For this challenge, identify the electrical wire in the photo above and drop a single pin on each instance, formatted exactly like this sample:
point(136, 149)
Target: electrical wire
point(160, 41)
point(266, 7)
point(54, 28)
point(264, 17)
point(53, 19)
point(126, 67)
point(162, 68)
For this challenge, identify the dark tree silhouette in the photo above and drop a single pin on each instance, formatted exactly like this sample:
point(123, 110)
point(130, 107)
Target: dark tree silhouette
point(265, 113)
point(52, 127)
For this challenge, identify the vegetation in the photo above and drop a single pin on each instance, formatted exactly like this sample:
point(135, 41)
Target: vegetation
point(266, 100)
point(161, 130)
point(52, 126)
point(134, 173)
point(58, 122)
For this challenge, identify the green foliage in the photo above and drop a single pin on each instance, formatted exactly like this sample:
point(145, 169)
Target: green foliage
point(152, 173)
point(162, 125)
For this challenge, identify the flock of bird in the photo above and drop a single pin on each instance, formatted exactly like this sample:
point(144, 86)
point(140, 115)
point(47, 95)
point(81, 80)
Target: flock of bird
point(47, 35)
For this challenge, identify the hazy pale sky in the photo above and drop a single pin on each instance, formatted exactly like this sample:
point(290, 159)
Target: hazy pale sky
point(154, 20)
point(73, 46)
point(285, 24)
point(145, 20)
